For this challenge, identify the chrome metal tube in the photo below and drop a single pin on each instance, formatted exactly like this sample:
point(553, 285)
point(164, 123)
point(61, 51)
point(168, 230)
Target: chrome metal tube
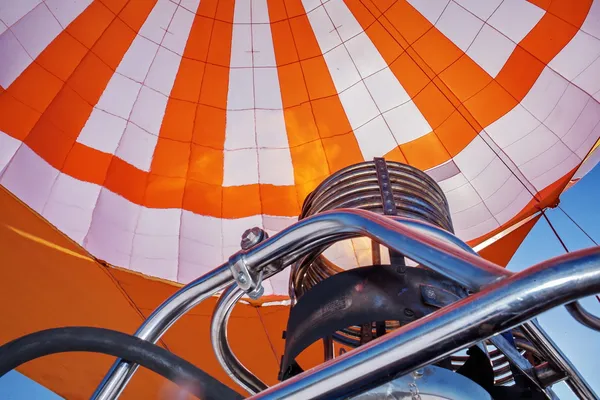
point(414, 239)
point(538, 337)
point(159, 321)
point(499, 307)
point(218, 336)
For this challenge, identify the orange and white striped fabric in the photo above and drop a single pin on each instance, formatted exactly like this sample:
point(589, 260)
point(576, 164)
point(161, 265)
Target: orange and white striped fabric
point(154, 132)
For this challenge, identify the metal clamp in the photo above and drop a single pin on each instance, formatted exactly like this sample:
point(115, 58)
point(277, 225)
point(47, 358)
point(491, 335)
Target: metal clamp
point(248, 282)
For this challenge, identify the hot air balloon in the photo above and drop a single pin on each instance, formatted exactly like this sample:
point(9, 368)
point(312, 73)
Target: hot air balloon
point(145, 142)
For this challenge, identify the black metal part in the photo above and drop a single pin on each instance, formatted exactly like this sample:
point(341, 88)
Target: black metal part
point(360, 296)
point(387, 199)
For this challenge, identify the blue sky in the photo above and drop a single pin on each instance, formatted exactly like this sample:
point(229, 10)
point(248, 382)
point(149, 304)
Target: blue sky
point(581, 344)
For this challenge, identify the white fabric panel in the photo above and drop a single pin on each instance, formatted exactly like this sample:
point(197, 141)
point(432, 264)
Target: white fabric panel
point(386, 90)
point(358, 104)
point(310, 5)
point(241, 46)
point(346, 24)
point(30, 178)
point(545, 94)
point(240, 167)
point(36, 30)
point(102, 131)
point(155, 248)
point(364, 54)
point(11, 11)
point(275, 166)
point(430, 9)
point(234, 228)
point(515, 204)
point(179, 29)
point(241, 89)
point(138, 58)
point(512, 126)
point(342, 69)
point(262, 43)
point(133, 104)
point(149, 110)
point(407, 123)
point(268, 93)
point(270, 129)
point(13, 59)
point(576, 56)
point(490, 50)
point(137, 147)
point(323, 28)
point(257, 150)
point(591, 24)
point(157, 24)
point(239, 130)
point(459, 25)
point(203, 229)
point(589, 79)
point(588, 143)
point(163, 71)
point(462, 198)
point(242, 12)
point(3, 27)
point(567, 110)
point(491, 179)
point(195, 258)
point(159, 221)
point(471, 217)
point(453, 182)
point(556, 172)
point(66, 11)
point(516, 18)
point(474, 158)
point(260, 12)
point(8, 148)
point(119, 96)
point(478, 230)
point(375, 138)
point(365, 100)
point(531, 145)
point(110, 236)
point(70, 206)
point(546, 161)
point(482, 9)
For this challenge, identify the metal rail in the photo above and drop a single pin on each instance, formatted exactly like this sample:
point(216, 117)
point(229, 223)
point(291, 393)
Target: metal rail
point(218, 336)
point(499, 307)
point(422, 242)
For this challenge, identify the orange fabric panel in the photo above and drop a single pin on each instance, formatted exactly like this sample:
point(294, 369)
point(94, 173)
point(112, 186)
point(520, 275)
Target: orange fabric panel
point(501, 251)
point(545, 198)
point(96, 295)
point(48, 281)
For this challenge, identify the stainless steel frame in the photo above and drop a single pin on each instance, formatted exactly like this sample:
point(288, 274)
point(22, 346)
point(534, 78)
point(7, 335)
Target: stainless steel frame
point(218, 337)
point(501, 306)
point(423, 243)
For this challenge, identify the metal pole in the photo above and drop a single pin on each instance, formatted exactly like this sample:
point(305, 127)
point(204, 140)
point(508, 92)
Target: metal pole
point(497, 308)
point(218, 336)
point(159, 321)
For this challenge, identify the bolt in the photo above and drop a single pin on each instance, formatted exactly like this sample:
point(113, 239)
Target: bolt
point(242, 278)
point(257, 293)
point(418, 373)
point(430, 293)
point(252, 237)
point(408, 312)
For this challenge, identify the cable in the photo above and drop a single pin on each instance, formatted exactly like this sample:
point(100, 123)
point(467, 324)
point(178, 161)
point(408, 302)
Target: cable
point(577, 225)
point(575, 309)
point(117, 344)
